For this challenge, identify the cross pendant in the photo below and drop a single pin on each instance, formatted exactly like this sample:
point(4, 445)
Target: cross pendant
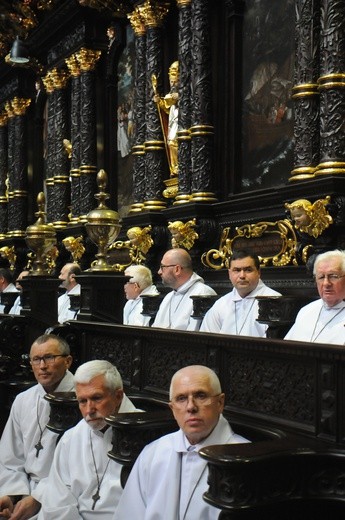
point(95, 498)
point(38, 447)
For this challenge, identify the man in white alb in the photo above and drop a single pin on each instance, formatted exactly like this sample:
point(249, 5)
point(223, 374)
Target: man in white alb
point(6, 285)
point(323, 321)
point(17, 306)
point(69, 282)
point(27, 445)
point(139, 284)
point(84, 483)
point(169, 477)
point(175, 310)
point(236, 312)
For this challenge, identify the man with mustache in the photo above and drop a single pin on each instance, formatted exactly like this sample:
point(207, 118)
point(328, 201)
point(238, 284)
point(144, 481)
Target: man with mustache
point(84, 483)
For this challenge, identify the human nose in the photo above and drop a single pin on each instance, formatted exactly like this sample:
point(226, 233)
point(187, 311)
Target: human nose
point(191, 406)
point(89, 407)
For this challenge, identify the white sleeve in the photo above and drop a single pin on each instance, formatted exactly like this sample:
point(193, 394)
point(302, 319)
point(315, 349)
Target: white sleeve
point(58, 501)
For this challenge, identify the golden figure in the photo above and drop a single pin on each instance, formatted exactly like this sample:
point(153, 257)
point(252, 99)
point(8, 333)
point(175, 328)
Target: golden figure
point(75, 246)
point(50, 259)
point(138, 244)
point(169, 105)
point(68, 147)
point(310, 218)
point(9, 253)
point(183, 235)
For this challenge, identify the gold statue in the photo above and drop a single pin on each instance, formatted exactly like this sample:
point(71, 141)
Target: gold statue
point(9, 253)
point(50, 259)
point(68, 147)
point(75, 246)
point(169, 105)
point(310, 218)
point(138, 244)
point(183, 235)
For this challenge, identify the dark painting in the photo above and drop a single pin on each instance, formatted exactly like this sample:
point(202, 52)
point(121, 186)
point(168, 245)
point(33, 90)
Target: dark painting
point(267, 82)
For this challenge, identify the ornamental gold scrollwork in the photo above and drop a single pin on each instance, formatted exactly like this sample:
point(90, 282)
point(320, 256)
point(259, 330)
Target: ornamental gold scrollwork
point(138, 245)
point(183, 234)
point(10, 255)
point(277, 238)
point(310, 218)
point(75, 246)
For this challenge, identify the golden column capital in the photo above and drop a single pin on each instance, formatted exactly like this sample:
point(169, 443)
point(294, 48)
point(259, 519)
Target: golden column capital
point(183, 3)
point(3, 118)
point(73, 65)
point(18, 106)
point(137, 22)
point(87, 59)
point(59, 78)
point(48, 82)
point(153, 14)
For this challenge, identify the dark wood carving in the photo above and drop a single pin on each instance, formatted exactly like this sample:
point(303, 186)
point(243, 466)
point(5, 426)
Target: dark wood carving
point(64, 411)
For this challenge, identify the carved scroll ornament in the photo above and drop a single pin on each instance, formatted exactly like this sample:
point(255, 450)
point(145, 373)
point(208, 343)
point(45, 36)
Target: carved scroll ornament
point(139, 243)
point(273, 242)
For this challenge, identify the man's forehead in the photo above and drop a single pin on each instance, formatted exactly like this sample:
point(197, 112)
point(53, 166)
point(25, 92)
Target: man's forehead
point(248, 261)
point(51, 345)
point(185, 381)
point(331, 264)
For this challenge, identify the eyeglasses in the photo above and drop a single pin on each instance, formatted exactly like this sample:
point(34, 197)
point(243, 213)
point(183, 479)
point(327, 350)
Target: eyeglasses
point(48, 359)
point(162, 266)
point(199, 398)
point(330, 277)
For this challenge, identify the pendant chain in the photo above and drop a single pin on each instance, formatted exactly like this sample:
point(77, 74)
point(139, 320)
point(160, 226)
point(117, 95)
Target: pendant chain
point(96, 496)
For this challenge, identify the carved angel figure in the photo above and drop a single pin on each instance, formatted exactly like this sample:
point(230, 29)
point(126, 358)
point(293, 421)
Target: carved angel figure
point(9, 253)
point(310, 218)
point(183, 235)
point(140, 238)
point(75, 246)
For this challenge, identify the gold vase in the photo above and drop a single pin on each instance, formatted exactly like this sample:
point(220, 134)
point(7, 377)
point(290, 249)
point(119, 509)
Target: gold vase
point(102, 226)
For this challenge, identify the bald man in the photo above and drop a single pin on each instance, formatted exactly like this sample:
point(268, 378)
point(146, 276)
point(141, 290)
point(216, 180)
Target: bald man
point(176, 271)
point(169, 477)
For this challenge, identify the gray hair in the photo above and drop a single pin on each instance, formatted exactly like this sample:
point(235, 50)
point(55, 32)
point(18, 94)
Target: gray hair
point(139, 274)
point(99, 367)
point(201, 369)
point(336, 254)
point(63, 346)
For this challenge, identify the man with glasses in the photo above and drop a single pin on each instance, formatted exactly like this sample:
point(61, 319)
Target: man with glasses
point(236, 312)
point(27, 446)
point(139, 284)
point(175, 310)
point(169, 477)
point(323, 321)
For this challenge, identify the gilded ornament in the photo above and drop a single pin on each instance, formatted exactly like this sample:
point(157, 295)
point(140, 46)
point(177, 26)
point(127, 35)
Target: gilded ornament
point(310, 218)
point(183, 234)
point(75, 246)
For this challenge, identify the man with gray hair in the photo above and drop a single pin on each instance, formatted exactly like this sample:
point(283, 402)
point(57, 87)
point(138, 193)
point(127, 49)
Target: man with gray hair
point(139, 284)
point(27, 445)
point(83, 481)
point(323, 321)
point(169, 477)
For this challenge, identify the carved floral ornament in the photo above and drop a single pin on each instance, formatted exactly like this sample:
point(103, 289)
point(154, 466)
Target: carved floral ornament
point(274, 242)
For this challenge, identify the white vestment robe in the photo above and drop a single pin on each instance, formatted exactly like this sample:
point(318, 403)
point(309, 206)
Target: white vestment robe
point(10, 288)
point(319, 324)
point(177, 306)
point(133, 308)
point(21, 472)
point(72, 479)
point(232, 314)
point(160, 487)
point(16, 307)
point(64, 303)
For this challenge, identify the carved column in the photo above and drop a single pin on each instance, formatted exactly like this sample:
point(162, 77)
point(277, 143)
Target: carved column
point(305, 91)
point(48, 83)
point(18, 182)
point(155, 160)
point(138, 150)
point(184, 103)
point(87, 59)
point(332, 88)
point(201, 127)
point(73, 66)
point(3, 175)
point(61, 187)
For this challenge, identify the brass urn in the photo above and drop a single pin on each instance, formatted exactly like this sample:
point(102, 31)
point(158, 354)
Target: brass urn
point(40, 238)
point(102, 226)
